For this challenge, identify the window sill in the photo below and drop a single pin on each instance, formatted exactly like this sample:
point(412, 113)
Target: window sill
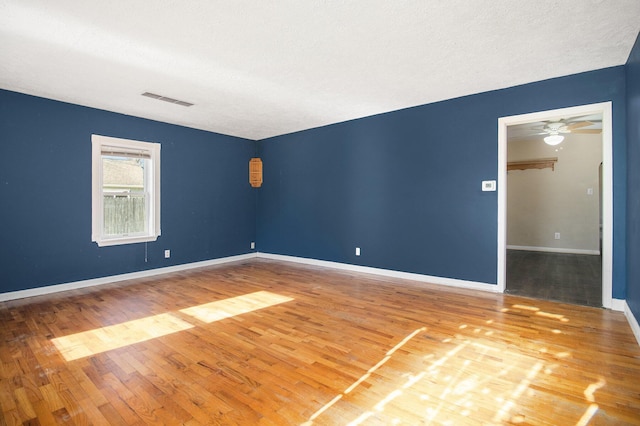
point(125, 240)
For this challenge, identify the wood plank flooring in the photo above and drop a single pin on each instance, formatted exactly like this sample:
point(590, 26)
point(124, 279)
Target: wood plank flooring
point(272, 343)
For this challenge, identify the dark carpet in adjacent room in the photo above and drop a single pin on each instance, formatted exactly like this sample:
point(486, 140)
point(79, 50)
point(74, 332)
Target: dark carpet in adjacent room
point(570, 278)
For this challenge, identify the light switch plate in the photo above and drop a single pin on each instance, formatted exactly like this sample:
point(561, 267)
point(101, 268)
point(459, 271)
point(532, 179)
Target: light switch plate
point(488, 185)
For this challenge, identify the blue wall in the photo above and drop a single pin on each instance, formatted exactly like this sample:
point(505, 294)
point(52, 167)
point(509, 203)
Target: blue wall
point(405, 186)
point(208, 207)
point(633, 158)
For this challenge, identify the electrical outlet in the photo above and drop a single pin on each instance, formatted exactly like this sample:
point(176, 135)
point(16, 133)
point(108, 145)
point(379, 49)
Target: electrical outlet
point(167, 254)
point(557, 236)
point(357, 251)
point(253, 245)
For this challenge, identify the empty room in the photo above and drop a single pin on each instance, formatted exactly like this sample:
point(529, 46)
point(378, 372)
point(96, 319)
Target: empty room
point(319, 213)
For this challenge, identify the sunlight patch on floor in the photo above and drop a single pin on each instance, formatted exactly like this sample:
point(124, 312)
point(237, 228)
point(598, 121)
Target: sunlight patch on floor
point(227, 308)
point(466, 376)
point(537, 311)
point(87, 343)
point(363, 378)
point(91, 342)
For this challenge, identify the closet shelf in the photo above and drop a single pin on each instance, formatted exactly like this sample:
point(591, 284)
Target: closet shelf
point(541, 163)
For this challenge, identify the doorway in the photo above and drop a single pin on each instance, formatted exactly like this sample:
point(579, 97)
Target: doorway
point(550, 244)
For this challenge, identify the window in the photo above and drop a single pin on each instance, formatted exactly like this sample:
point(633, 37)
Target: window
point(125, 191)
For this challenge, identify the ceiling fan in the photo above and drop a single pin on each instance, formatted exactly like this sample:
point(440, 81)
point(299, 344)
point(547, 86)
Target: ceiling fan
point(553, 130)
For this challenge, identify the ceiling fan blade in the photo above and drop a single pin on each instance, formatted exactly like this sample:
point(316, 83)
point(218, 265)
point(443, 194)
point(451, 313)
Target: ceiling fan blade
point(585, 131)
point(578, 124)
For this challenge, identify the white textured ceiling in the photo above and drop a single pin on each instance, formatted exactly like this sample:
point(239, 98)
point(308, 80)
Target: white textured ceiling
point(262, 68)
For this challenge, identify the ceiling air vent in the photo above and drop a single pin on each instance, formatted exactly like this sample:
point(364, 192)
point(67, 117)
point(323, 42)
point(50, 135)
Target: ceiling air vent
point(166, 99)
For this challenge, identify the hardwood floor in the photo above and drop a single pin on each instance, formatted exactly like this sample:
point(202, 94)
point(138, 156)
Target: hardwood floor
point(272, 343)
point(569, 278)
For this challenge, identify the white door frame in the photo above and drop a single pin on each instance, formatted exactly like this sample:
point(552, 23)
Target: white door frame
point(603, 108)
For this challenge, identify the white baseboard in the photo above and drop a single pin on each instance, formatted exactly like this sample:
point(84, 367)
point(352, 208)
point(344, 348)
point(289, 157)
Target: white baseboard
point(618, 305)
point(633, 322)
point(20, 294)
point(554, 250)
point(451, 282)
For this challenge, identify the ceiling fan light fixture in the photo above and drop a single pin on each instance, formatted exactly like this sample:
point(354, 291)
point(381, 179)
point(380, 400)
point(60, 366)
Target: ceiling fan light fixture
point(553, 139)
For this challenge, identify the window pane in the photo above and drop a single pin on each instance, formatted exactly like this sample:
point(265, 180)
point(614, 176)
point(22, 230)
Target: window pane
point(124, 214)
point(125, 201)
point(122, 174)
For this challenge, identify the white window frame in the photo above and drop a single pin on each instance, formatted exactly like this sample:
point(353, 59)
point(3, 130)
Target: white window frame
point(152, 187)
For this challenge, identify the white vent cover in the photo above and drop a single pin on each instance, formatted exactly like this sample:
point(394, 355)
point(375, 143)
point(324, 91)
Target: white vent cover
point(166, 99)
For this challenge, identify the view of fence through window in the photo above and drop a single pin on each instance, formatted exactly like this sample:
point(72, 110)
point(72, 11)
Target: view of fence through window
point(124, 195)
